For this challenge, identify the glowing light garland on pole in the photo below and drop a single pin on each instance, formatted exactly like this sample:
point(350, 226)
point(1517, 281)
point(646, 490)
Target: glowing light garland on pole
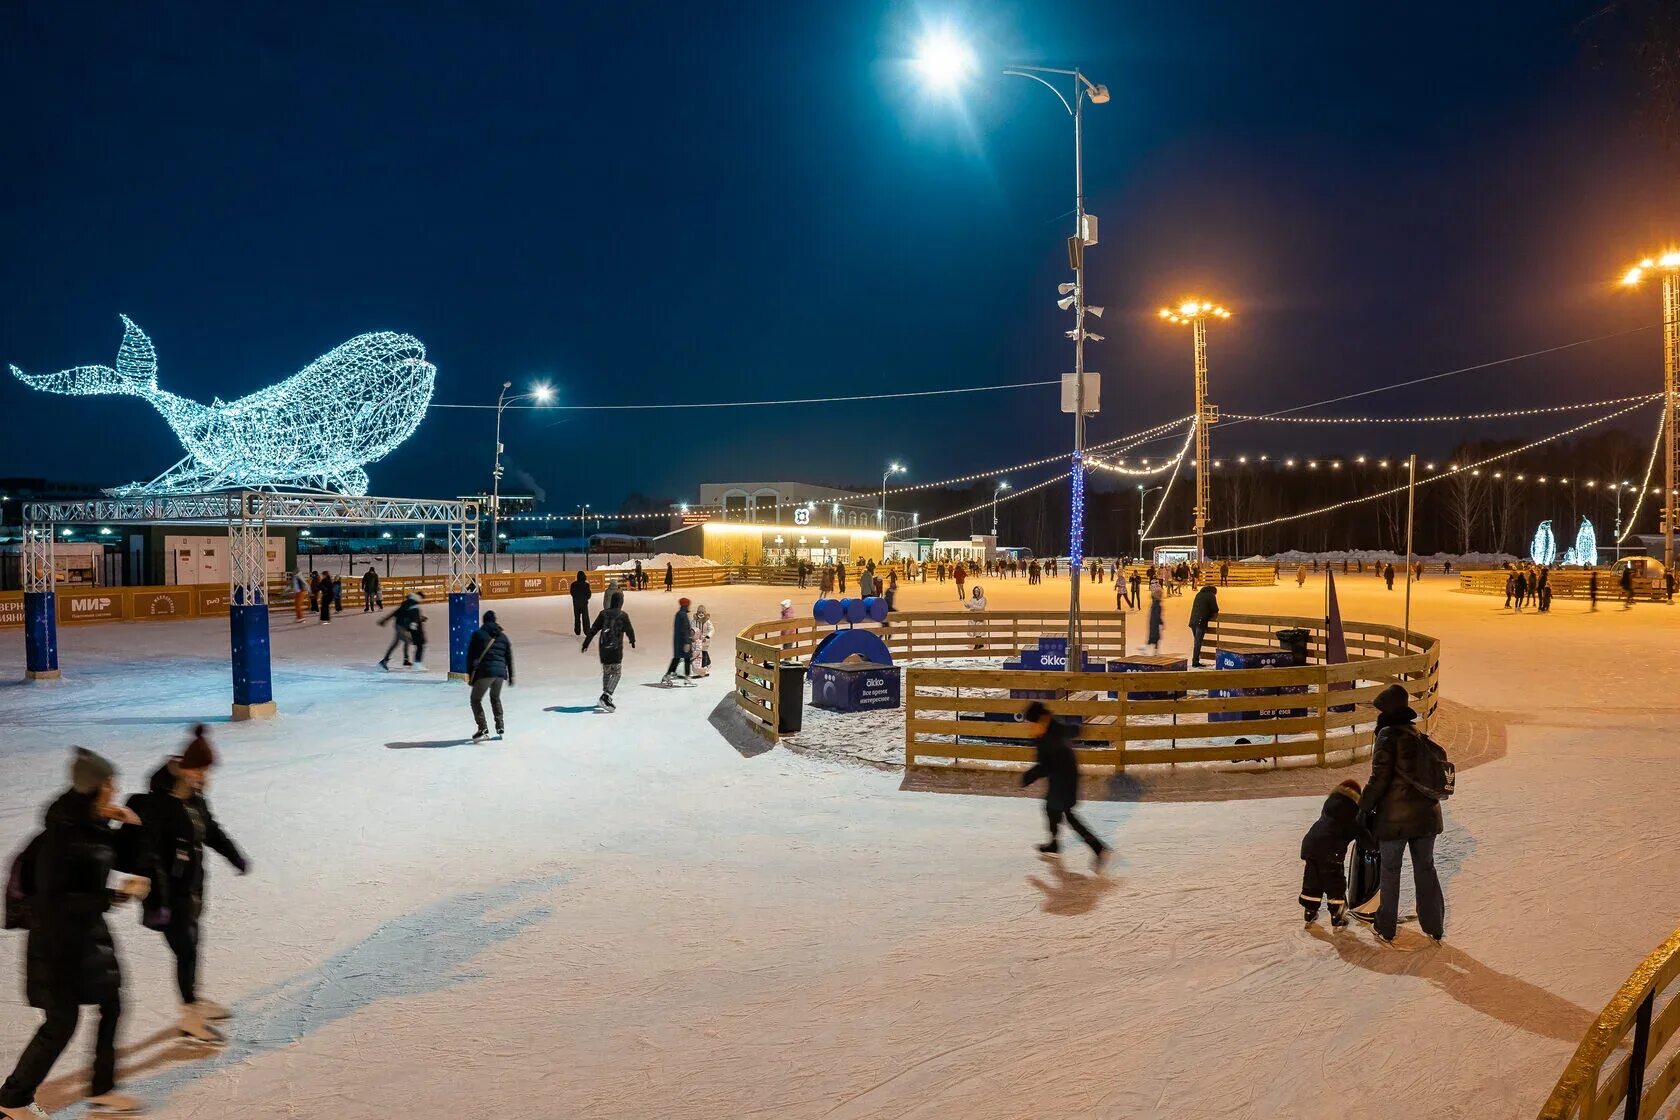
point(317, 428)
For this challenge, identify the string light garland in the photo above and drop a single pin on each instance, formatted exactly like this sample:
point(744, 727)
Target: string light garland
point(1472, 468)
point(1461, 418)
point(1645, 483)
point(318, 428)
point(1167, 492)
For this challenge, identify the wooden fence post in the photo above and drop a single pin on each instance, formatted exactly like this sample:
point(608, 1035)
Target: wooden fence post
point(1323, 711)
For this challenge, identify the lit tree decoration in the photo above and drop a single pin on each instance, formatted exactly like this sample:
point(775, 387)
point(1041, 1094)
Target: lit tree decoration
point(1543, 549)
point(316, 429)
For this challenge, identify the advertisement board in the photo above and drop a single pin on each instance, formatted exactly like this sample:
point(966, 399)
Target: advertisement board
point(90, 606)
point(160, 603)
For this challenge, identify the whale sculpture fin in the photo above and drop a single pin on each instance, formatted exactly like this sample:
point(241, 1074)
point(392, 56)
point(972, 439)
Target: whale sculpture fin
point(135, 372)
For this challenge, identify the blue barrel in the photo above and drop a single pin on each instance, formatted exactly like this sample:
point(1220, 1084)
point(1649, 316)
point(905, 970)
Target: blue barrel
point(829, 612)
point(875, 608)
point(853, 609)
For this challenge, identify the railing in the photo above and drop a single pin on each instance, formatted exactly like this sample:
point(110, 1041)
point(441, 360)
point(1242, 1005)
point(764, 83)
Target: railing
point(1566, 583)
point(968, 717)
point(86, 603)
point(761, 647)
point(1584, 1092)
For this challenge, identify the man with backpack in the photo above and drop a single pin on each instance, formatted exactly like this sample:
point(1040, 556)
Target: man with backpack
point(613, 627)
point(1410, 777)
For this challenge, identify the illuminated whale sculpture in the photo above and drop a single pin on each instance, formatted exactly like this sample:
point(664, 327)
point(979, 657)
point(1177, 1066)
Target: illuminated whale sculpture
point(316, 429)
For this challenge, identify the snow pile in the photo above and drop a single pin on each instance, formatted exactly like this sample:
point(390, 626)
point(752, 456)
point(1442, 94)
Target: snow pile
point(676, 560)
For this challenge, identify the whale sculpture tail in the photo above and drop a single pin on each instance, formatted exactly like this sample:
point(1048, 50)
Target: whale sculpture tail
point(135, 373)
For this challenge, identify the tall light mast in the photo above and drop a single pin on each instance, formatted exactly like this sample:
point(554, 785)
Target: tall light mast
point(1668, 264)
point(1196, 313)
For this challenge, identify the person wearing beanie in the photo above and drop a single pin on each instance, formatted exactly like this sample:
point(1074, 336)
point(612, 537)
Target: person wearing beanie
point(178, 827)
point(70, 960)
point(489, 667)
point(1324, 849)
point(682, 648)
point(787, 608)
point(613, 627)
point(1407, 817)
point(1057, 763)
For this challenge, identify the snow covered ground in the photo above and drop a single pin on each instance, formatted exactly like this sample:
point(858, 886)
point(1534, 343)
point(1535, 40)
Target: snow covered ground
point(626, 916)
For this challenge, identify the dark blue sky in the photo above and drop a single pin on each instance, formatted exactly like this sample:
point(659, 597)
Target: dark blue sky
point(712, 202)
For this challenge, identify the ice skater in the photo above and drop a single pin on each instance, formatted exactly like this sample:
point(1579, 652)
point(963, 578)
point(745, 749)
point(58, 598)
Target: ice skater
point(402, 620)
point(670, 576)
point(1157, 619)
point(1059, 766)
point(490, 666)
point(300, 595)
point(975, 604)
point(1204, 608)
point(370, 589)
point(178, 827)
point(324, 595)
point(1324, 850)
point(682, 648)
point(417, 634)
point(703, 631)
point(63, 877)
point(613, 627)
point(581, 594)
point(338, 594)
point(1405, 798)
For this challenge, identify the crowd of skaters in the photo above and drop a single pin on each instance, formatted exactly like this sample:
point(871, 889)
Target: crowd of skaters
point(93, 853)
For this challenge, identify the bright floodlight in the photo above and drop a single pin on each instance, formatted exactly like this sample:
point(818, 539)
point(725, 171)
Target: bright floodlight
point(1191, 310)
point(1666, 262)
point(543, 393)
point(944, 60)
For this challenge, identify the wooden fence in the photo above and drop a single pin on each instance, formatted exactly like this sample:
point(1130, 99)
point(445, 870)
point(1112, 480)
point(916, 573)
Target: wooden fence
point(84, 603)
point(1566, 583)
point(967, 717)
point(761, 647)
point(1647, 1008)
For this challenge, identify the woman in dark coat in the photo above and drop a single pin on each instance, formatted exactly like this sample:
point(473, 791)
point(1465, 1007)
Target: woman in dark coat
point(1407, 819)
point(71, 960)
point(682, 646)
point(178, 827)
point(670, 576)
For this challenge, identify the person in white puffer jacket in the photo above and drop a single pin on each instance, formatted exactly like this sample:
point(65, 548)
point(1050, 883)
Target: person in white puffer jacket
point(702, 641)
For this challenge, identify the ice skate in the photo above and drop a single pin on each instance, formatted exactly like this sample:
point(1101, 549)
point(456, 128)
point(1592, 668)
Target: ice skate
point(480, 735)
point(500, 734)
point(1050, 848)
point(1099, 859)
point(668, 680)
point(385, 664)
point(211, 1010)
point(30, 1111)
point(114, 1103)
point(601, 707)
point(687, 682)
point(194, 1027)
point(1310, 914)
point(608, 701)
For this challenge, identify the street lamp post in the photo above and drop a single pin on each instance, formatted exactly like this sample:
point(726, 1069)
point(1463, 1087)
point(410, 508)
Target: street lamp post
point(1197, 313)
point(881, 514)
point(1000, 488)
point(540, 394)
point(1142, 494)
point(946, 62)
point(1669, 265)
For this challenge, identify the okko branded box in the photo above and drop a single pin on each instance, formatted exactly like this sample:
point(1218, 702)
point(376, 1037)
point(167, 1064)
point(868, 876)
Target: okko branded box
point(1262, 659)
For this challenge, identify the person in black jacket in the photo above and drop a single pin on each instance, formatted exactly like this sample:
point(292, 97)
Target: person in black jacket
point(613, 627)
point(370, 589)
point(489, 666)
point(402, 620)
point(670, 576)
point(178, 827)
point(71, 960)
point(1058, 764)
point(682, 647)
point(1203, 610)
point(581, 594)
point(1324, 848)
point(1406, 817)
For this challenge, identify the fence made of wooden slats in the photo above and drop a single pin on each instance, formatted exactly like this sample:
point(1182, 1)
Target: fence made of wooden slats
point(908, 634)
point(1611, 1073)
point(1567, 583)
point(967, 717)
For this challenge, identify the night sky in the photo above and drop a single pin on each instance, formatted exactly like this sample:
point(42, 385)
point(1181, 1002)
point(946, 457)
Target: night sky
point(702, 202)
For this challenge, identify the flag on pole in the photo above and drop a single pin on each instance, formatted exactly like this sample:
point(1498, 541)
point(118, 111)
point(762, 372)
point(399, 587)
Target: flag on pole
point(1335, 638)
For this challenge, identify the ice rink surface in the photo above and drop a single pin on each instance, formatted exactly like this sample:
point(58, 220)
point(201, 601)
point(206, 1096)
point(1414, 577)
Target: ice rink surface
point(624, 916)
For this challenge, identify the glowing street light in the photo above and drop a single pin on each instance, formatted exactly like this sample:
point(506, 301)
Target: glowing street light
point(541, 393)
point(881, 514)
point(1667, 265)
point(1003, 484)
point(944, 61)
point(1196, 313)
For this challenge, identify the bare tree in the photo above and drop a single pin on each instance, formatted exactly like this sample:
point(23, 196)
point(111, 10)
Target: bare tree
point(1466, 503)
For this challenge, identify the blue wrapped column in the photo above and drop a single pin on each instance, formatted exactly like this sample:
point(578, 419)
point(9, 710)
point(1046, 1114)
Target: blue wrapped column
point(40, 635)
point(253, 686)
point(463, 620)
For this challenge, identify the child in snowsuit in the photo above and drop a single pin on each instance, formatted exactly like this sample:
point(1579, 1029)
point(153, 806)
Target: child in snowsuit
point(1324, 849)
